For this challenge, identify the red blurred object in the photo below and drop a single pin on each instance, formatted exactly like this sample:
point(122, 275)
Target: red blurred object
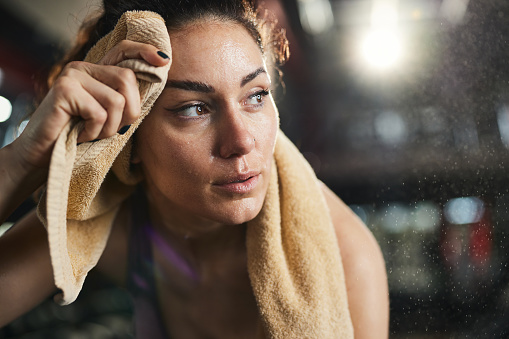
point(18, 69)
point(468, 245)
point(481, 241)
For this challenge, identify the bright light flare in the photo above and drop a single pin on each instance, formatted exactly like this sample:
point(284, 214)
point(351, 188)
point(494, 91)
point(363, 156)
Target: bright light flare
point(382, 48)
point(5, 109)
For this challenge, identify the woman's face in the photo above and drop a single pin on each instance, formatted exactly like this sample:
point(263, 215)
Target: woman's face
point(206, 147)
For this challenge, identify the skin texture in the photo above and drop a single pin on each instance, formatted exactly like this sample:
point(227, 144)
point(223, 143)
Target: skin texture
point(186, 159)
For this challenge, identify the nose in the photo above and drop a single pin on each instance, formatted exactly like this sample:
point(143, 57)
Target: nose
point(235, 138)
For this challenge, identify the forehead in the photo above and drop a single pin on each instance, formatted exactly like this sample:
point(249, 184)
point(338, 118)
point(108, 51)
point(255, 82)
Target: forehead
point(213, 48)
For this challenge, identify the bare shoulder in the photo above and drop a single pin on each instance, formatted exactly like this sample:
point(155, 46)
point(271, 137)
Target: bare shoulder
point(364, 266)
point(353, 235)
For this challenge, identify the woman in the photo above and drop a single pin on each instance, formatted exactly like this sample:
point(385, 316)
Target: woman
point(205, 152)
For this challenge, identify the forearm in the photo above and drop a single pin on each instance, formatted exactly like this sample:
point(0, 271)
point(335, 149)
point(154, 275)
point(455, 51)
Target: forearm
point(26, 275)
point(17, 180)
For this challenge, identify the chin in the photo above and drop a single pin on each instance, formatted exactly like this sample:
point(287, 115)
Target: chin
point(239, 212)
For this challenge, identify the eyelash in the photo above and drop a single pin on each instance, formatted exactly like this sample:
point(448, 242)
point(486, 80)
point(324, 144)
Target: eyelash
point(199, 106)
point(262, 94)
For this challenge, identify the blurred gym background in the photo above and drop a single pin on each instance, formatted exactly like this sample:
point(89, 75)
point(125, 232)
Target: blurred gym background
point(401, 107)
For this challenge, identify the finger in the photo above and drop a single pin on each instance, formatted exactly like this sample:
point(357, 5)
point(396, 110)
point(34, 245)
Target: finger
point(83, 104)
point(95, 102)
point(73, 100)
point(123, 81)
point(112, 101)
point(127, 49)
point(117, 91)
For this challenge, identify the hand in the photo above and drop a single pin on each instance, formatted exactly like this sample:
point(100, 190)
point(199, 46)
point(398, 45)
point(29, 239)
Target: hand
point(106, 97)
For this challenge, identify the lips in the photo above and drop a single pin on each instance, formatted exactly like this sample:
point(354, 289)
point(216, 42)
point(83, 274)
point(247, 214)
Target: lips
point(239, 183)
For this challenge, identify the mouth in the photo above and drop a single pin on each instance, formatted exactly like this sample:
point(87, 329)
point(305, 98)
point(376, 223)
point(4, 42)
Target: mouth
point(239, 183)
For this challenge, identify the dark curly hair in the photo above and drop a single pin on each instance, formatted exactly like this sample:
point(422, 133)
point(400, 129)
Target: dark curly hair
point(178, 13)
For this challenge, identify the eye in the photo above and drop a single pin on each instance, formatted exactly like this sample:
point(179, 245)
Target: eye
point(257, 98)
point(194, 110)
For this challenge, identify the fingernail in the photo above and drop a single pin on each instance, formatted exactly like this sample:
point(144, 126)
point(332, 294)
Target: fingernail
point(124, 129)
point(163, 55)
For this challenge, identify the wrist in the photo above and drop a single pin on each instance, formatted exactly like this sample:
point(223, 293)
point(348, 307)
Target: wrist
point(18, 179)
point(20, 171)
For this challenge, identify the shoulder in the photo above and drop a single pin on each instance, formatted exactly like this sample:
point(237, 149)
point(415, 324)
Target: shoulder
point(353, 236)
point(364, 267)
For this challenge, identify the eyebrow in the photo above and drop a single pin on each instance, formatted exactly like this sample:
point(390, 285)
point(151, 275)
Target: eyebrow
point(251, 76)
point(194, 86)
point(197, 86)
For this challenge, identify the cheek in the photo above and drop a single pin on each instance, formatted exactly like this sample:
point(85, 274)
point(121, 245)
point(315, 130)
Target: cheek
point(168, 156)
point(266, 134)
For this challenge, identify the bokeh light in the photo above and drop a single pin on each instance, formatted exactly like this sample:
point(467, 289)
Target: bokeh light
point(463, 211)
point(5, 109)
point(382, 49)
point(390, 128)
point(315, 16)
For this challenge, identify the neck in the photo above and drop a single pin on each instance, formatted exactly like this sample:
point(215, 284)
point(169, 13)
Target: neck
point(197, 239)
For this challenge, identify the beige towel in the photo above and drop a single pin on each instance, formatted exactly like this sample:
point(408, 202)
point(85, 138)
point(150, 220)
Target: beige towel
point(81, 200)
point(293, 258)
